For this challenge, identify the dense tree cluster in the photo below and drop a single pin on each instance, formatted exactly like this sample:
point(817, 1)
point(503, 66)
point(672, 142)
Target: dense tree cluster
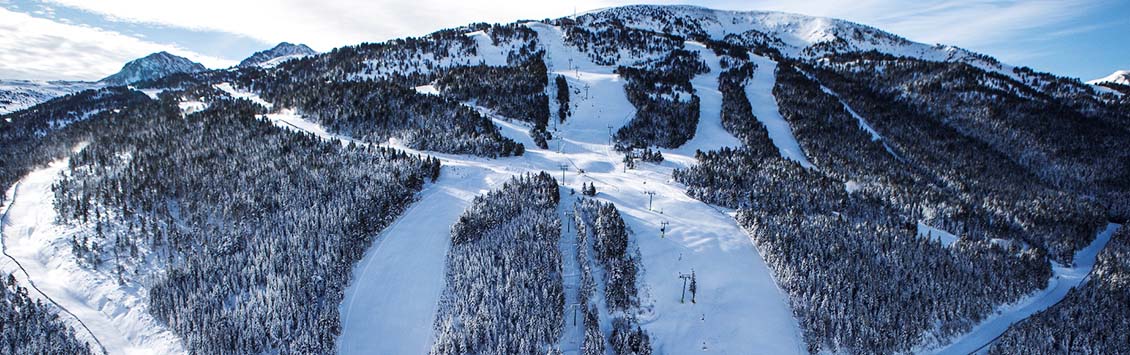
point(257, 228)
point(650, 156)
point(859, 278)
point(516, 92)
point(521, 41)
point(1031, 163)
point(918, 187)
point(30, 326)
point(666, 105)
point(504, 292)
point(413, 59)
point(737, 114)
point(182, 81)
point(607, 265)
point(375, 111)
point(1092, 319)
point(562, 86)
point(1122, 88)
point(32, 137)
point(397, 57)
point(611, 43)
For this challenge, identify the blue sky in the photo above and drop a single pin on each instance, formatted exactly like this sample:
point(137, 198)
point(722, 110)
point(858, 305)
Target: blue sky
point(86, 40)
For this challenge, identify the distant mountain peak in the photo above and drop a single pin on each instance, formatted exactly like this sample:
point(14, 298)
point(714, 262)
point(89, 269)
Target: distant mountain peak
point(1121, 77)
point(153, 66)
point(279, 53)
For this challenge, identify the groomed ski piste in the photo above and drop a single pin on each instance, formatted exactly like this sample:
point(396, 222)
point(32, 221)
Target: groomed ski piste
point(1064, 278)
point(99, 309)
point(390, 304)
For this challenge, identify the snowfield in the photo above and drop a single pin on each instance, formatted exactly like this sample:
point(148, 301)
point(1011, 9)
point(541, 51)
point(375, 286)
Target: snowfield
point(390, 304)
point(391, 301)
point(116, 315)
point(17, 95)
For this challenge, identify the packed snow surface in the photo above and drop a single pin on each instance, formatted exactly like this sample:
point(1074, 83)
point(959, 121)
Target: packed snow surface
point(116, 314)
point(709, 134)
point(1064, 278)
point(760, 94)
point(390, 304)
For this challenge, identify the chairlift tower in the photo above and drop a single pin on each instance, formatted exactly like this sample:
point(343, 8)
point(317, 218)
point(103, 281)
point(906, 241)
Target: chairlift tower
point(650, 198)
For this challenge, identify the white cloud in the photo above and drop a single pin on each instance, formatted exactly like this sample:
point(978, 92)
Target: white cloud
point(325, 24)
point(998, 27)
point(37, 48)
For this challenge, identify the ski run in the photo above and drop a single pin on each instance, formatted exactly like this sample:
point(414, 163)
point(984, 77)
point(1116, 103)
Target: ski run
point(390, 304)
point(1064, 278)
point(101, 310)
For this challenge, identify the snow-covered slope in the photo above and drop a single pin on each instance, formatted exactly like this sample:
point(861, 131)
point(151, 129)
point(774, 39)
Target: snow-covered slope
point(17, 95)
point(282, 52)
point(390, 303)
point(760, 93)
point(709, 134)
point(153, 66)
point(1064, 278)
point(1121, 77)
point(793, 35)
point(115, 313)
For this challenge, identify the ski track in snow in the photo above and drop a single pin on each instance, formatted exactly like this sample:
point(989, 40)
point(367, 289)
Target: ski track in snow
point(116, 315)
point(390, 304)
point(709, 134)
point(1063, 279)
point(760, 94)
point(875, 136)
point(573, 332)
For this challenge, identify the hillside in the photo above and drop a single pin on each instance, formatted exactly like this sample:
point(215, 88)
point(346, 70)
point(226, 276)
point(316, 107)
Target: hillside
point(17, 95)
point(634, 180)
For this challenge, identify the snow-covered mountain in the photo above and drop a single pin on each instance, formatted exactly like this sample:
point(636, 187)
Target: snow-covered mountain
point(1121, 77)
point(282, 52)
point(794, 35)
point(851, 190)
point(153, 66)
point(16, 95)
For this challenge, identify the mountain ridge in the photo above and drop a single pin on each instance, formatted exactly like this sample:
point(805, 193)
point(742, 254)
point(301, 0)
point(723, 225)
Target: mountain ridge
point(281, 52)
point(153, 66)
